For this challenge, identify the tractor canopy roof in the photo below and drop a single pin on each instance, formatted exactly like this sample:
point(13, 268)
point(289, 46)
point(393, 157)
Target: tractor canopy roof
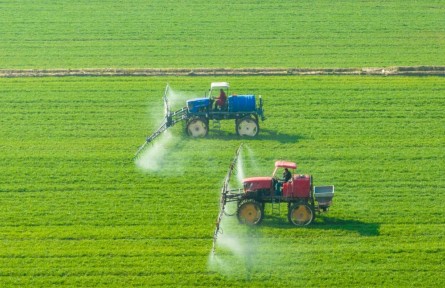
point(224, 85)
point(285, 164)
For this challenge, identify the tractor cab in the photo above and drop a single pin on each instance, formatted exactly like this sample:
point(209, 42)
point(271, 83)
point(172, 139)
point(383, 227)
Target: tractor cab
point(215, 88)
point(215, 91)
point(280, 166)
point(283, 173)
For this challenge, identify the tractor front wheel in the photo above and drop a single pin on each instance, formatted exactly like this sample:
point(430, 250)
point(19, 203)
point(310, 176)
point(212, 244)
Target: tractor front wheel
point(197, 127)
point(300, 214)
point(247, 126)
point(250, 212)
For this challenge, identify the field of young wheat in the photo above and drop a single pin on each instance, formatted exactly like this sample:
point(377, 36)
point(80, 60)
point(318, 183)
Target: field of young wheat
point(78, 211)
point(230, 34)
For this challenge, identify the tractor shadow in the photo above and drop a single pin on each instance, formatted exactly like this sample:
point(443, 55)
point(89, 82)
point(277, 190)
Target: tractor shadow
point(324, 223)
point(264, 134)
point(331, 223)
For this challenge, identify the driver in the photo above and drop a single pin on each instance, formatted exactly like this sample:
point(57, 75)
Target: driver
point(279, 182)
point(221, 100)
point(286, 175)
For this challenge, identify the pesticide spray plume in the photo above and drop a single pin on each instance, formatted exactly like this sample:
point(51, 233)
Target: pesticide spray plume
point(163, 124)
point(235, 247)
point(170, 118)
point(240, 169)
point(225, 190)
point(237, 250)
point(153, 156)
point(252, 160)
point(177, 98)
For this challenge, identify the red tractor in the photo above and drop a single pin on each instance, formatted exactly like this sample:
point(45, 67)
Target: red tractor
point(297, 190)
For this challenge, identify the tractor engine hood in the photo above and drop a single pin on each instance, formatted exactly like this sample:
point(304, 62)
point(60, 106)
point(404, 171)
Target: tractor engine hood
point(257, 183)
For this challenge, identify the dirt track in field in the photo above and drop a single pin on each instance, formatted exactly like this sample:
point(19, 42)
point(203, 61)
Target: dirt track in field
point(386, 71)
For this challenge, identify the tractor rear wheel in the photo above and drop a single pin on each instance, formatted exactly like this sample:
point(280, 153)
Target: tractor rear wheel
point(300, 214)
point(250, 212)
point(247, 126)
point(197, 127)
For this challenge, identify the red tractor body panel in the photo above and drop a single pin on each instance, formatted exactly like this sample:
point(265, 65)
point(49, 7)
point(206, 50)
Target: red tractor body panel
point(299, 187)
point(258, 183)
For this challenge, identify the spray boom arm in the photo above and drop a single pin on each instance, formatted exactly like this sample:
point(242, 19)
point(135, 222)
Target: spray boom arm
point(226, 196)
point(170, 119)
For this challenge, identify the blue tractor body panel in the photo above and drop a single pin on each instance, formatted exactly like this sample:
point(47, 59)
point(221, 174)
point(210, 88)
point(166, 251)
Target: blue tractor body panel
point(198, 104)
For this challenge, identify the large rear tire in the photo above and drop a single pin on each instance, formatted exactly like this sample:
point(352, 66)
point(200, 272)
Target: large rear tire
point(197, 127)
point(250, 212)
point(300, 214)
point(247, 126)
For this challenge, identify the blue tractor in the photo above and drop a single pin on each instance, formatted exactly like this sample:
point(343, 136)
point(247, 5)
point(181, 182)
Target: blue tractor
point(215, 106)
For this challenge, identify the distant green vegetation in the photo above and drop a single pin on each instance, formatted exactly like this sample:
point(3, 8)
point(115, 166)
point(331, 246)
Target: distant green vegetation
point(232, 34)
point(76, 211)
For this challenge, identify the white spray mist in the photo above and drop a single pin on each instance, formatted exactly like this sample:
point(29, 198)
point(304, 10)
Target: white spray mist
point(153, 156)
point(253, 164)
point(178, 99)
point(240, 169)
point(236, 244)
point(235, 250)
point(152, 159)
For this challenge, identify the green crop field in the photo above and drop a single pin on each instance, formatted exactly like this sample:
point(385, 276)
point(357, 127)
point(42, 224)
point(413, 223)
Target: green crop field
point(77, 211)
point(229, 34)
